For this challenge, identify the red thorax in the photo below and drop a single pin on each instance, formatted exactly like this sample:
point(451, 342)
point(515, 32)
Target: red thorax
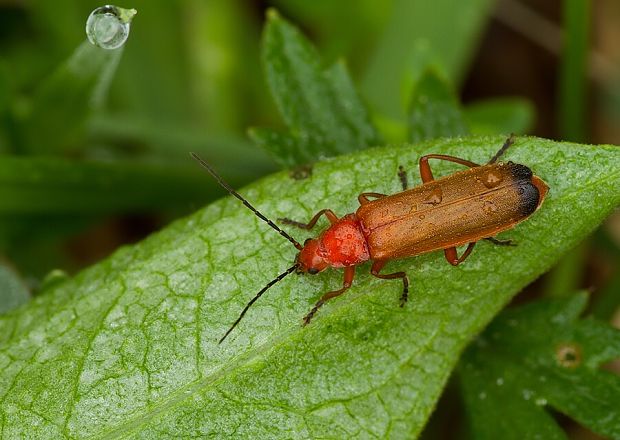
point(342, 244)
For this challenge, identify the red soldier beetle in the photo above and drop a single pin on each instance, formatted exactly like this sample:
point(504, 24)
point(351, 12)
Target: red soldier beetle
point(441, 214)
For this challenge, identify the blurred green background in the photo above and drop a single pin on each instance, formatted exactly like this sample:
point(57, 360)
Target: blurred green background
point(94, 144)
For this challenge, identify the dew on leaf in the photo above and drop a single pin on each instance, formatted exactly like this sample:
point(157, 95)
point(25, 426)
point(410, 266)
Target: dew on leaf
point(108, 26)
point(541, 401)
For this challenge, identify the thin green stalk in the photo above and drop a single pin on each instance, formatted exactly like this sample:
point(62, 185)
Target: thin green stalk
point(565, 277)
point(573, 83)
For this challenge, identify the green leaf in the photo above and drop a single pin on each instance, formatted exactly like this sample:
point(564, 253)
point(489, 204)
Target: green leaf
point(171, 142)
point(13, 292)
point(434, 110)
point(128, 348)
point(542, 355)
point(52, 187)
point(63, 102)
point(282, 146)
point(500, 116)
point(44, 199)
point(322, 111)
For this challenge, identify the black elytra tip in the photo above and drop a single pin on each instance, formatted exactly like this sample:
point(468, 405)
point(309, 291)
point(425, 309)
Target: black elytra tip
point(520, 172)
point(529, 197)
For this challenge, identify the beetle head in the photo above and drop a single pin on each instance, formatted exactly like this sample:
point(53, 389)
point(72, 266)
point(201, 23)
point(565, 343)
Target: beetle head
point(310, 259)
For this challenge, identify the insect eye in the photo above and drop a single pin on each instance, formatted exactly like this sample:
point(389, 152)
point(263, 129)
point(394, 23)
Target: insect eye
point(313, 271)
point(307, 240)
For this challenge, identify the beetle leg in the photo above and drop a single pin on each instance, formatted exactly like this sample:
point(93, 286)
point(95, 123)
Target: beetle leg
point(500, 242)
point(349, 273)
point(327, 212)
point(363, 197)
point(452, 256)
point(376, 268)
point(402, 175)
point(425, 168)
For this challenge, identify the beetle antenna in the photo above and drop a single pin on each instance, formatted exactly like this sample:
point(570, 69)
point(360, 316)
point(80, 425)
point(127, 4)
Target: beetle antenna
point(501, 151)
point(228, 188)
point(258, 295)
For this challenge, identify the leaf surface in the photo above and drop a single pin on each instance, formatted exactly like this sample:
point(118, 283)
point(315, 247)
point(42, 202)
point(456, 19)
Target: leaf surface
point(13, 292)
point(321, 108)
point(434, 110)
point(528, 359)
point(128, 348)
point(38, 186)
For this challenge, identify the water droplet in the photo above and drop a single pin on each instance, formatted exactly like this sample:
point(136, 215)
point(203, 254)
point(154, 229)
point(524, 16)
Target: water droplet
point(435, 197)
point(499, 381)
point(482, 395)
point(541, 401)
point(489, 207)
point(108, 26)
point(492, 179)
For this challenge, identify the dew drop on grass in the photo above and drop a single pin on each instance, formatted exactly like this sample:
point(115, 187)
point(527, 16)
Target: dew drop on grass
point(108, 26)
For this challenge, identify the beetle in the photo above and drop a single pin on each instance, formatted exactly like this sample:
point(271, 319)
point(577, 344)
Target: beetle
point(441, 214)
